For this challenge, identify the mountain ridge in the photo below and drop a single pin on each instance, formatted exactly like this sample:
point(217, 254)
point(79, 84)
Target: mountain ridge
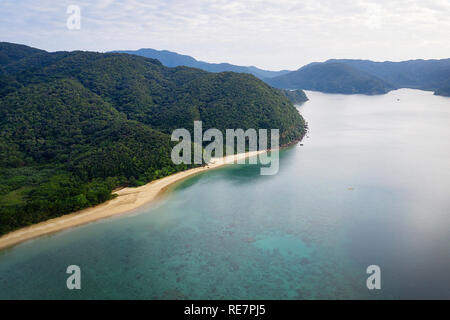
point(332, 77)
point(430, 75)
point(365, 77)
point(173, 59)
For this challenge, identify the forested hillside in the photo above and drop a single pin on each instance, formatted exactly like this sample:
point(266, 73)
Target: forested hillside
point(332, 78)
point(173, 59)
point(368, 77)
point(443, 91)
point(76, 125)
point(295, 96)
point(418, 74)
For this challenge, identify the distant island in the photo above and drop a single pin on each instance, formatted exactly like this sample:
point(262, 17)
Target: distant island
point(444, 91)
point(297, 96)
point(368, 77)
point(332, 78)
point(431, 75)
point(76, 125)
point(347, 76)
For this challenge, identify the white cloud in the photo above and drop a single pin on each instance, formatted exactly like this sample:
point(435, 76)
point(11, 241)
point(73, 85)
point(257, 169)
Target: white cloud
point(268, 33)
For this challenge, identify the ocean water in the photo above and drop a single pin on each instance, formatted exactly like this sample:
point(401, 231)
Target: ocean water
point(369, 186)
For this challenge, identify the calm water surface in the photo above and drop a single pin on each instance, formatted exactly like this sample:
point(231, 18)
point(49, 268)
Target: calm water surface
point(370, 185)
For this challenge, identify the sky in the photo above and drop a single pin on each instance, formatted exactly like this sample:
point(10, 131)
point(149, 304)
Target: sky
point(270, 34)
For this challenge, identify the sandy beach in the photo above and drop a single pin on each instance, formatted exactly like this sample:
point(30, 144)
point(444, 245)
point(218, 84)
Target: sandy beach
point(127, 199)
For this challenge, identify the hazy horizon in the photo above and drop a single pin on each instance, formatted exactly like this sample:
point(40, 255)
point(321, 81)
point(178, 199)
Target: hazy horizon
point(272, 35)
point(218, 62)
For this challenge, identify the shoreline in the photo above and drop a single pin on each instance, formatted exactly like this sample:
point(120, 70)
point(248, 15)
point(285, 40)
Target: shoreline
point(127, 200)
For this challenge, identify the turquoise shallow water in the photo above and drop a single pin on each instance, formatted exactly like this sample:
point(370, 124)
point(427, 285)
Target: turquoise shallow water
point(371, 185)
